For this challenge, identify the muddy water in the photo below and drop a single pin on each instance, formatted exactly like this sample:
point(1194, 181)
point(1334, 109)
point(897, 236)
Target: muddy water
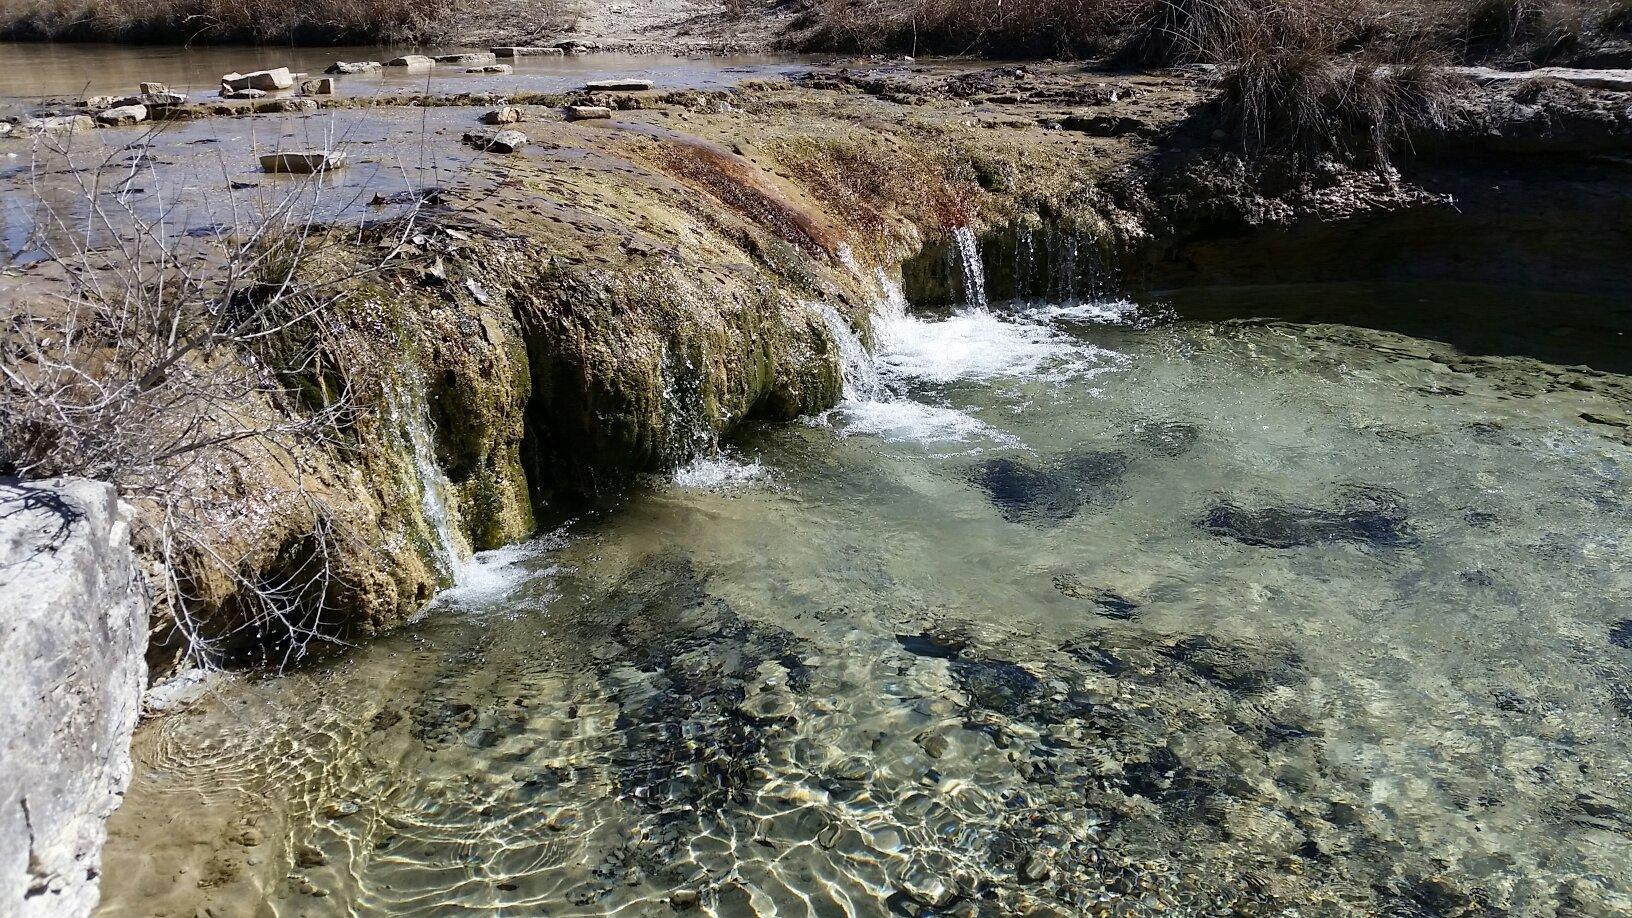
point(30, 70)
point(1074, 609)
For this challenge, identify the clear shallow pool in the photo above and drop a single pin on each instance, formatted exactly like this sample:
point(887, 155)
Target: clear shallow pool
point(1075, 609)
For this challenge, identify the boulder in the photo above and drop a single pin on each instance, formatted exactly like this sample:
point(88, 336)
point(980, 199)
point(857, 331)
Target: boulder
point(146, 88)
point(496, 141)
point(73, 630)
point(350, 67)
point(491, 68)
point(121, 116)
point(242, 93)
point(466, 57)
point(587, 112)
point(412, 62)
point(525, 52)
point(268, 80)
point(322, 86)
point(302, 162)
point(618, 85)
point(97, 103)
point(506, 115)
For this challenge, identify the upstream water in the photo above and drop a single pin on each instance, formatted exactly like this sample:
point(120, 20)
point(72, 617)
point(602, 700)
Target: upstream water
point(1068, 609)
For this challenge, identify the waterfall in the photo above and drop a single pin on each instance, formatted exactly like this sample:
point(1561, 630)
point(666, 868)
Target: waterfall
point(410, 414)
point(861, 381)
point(974, 271)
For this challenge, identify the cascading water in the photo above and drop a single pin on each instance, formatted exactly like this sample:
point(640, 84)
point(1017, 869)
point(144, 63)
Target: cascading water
point(861, 379)
point(974, 271)
point(410, 414)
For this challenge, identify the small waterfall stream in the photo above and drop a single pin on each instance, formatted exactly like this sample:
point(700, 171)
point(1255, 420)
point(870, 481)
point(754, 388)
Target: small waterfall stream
point(410, 414)
point(974, 270)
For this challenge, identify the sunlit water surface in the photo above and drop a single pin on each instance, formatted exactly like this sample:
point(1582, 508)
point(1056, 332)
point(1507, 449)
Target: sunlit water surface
point(1071, 609)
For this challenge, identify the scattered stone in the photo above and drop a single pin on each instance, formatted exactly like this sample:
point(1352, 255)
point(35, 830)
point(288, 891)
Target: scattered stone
point(302, 162)
point(491, 68)
point(310, 856)
point(525, 52)
point(467, 57)
point(122, 116)
point(97, 103)
point(684, 899)
point(932, 645)
point(322, 86)
point(618, 85)
point(146, 88)
point(506, 115)
point(496, 141)
point(268, 80)
point(587, 112)
point(242, 93)
point(576, 46)
point(412, 62)
point(351, 67)
point(5, 128)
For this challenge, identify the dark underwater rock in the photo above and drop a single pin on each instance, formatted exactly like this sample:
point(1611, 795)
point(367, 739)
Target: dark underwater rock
point(1238, 669)
point(1620, 634)
point(932, 645)
point(1168, 440)
point(1368, 518)
point(1025, 493)
point(997, 685)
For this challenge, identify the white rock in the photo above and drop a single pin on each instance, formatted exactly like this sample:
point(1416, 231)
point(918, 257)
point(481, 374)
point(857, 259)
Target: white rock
point(122, 115)
point(345, 67)
point(466, 57)
point(1618, 80)
point(267, 80)
point(73, 630)
point(496, 141)
point(412, 62)
point(58, 124)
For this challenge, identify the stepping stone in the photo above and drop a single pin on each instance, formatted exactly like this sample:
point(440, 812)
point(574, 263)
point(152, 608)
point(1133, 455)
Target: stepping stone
point(302, 162)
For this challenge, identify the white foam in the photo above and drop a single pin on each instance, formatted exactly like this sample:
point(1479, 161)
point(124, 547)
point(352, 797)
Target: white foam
point(718, 472)
point(978, 344)
point(1103, 312)
point(492, 576)
point(902, 420)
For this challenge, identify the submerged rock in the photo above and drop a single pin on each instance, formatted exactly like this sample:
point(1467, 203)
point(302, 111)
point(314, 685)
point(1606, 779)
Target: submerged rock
point(1620, 634)
point(932, 645)
point(466, 57)
point(302, 162)
point(491, 68)
point(1370, 518)
point(1028, 494)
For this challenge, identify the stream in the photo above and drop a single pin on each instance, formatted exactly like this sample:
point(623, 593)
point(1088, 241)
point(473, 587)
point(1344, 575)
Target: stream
point(1068, 608)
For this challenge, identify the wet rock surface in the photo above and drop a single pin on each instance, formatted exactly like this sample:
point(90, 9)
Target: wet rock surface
point(1368, 517)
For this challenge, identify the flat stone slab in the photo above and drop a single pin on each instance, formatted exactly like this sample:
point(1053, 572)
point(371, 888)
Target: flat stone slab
point(496, 141)
point(509, 51)
point(347, 67)
point(302, 162)
point(412, 62)
point(618, 85)
point(1618, 80)
point(587, 112)
point(491, 68)
point(506, 115)
point(322, 86)
point(268, 80)
point(467, 57)
point(58, 124)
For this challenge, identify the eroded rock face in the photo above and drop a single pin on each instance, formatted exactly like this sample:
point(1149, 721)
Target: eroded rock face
point(73, 624)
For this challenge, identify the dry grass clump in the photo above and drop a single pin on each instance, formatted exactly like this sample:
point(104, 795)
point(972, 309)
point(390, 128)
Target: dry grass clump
point(308, 21)
point(993, 28)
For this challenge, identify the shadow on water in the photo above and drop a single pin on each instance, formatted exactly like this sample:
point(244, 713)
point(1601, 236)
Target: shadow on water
point(1561, 328)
